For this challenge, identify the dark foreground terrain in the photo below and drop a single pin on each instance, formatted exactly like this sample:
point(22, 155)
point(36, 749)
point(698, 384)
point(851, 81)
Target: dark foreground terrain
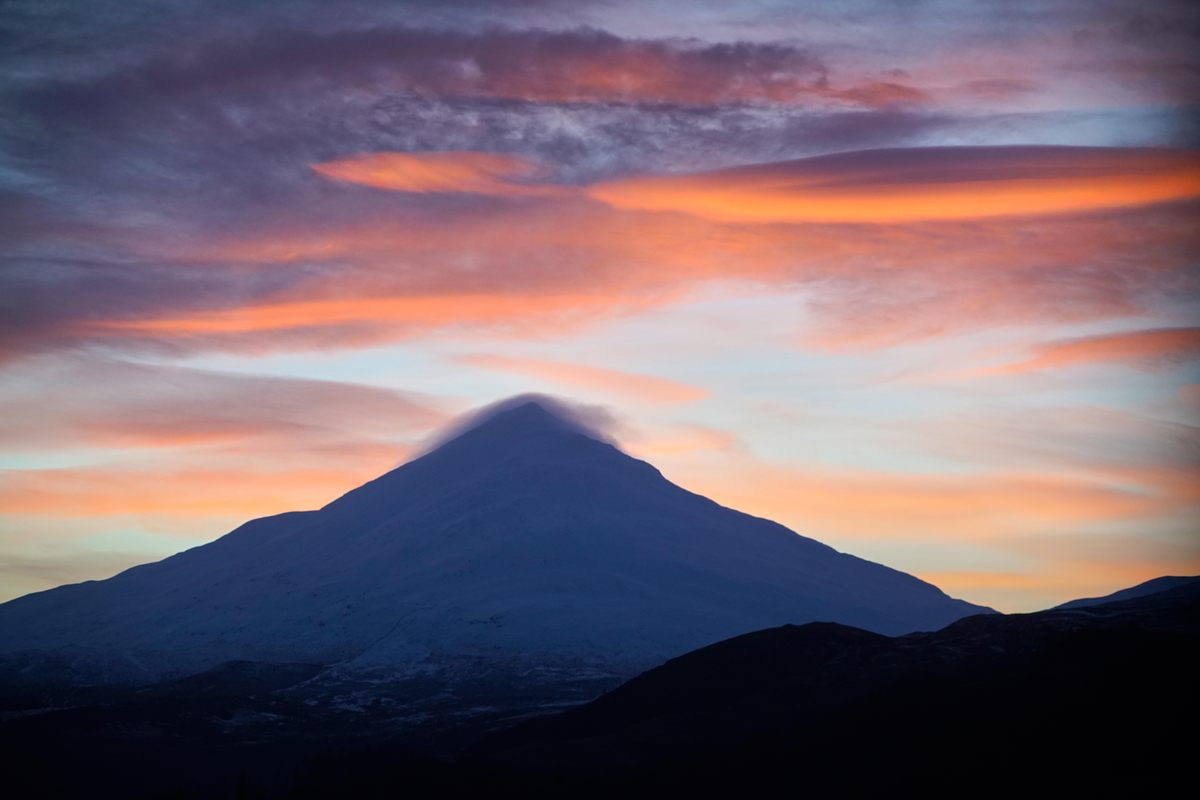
point(1098, 699)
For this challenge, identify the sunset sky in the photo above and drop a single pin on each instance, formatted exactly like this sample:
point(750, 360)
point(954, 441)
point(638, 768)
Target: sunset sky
point(917, 279)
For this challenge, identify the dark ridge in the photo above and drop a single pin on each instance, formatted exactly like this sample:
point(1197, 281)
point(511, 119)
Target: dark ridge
point(1149, 587)
point(1083, 697)
point(1097, 700)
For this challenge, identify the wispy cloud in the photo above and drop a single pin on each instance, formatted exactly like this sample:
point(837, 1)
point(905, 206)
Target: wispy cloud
point(474, 173)
point(390, 275)
point(920, 184)
point(1144, 349)
point(181, 493)
point(643, 388)
point(129, 405)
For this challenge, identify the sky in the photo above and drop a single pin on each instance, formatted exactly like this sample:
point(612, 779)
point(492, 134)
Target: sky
point(917, 279)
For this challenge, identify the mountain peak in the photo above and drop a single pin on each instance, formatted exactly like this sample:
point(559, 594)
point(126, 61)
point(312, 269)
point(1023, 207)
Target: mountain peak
point(529, 414)
point(528, 410)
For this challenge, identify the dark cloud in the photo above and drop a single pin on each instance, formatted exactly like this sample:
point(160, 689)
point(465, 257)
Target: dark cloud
point(565, 66)
point(159, 165)
point(45, 299)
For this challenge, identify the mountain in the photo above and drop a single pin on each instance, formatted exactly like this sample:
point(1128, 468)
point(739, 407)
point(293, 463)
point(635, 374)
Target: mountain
point(1092, 698)
point(526, 544)
point(1141, 590)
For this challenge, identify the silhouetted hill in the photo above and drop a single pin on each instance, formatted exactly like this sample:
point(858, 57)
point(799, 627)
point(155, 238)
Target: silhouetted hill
point(1142, 589)
point(1097, 700)
point(1100, 696)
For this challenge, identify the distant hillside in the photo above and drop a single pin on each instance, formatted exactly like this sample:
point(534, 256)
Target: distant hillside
point(1099, 697)
point(1141, 590)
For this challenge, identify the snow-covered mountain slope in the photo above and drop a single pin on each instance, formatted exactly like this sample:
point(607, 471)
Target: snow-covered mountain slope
point(524, 539)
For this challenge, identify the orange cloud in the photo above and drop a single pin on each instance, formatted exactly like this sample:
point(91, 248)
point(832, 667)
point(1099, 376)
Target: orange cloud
point(644, 388)
point(128, 404)
point(947, 507)
point(107, 491)
point(1189, 397)
point(401, 312)
point(392, 272)
point(470, 172)
point(683, 440)
point(896, 186)
point(862, 284)
point(1146, 348)
point(884, 186)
